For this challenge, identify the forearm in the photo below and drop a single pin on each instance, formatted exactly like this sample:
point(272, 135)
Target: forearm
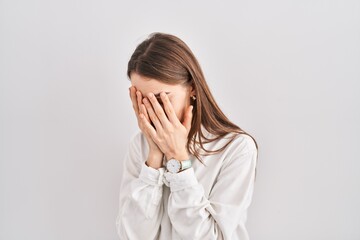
point(142, 204)
point(189, 210)
point(154, 161)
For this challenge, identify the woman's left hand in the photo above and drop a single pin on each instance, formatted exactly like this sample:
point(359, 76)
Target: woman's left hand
point(170, 134)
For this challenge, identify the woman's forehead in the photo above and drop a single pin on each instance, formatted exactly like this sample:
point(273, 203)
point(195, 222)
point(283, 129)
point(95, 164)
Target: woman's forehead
point(144, 89)
point(147, 85)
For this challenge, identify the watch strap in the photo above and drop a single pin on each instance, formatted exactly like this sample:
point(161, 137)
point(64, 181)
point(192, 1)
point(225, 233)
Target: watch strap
point(185, 164)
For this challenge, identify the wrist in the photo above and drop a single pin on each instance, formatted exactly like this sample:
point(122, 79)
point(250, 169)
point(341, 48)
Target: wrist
point(180, 156)
point(154, 162)
point(153, 165)
point(176, 166)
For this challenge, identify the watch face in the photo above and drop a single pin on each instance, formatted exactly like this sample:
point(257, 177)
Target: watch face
point(173, 165)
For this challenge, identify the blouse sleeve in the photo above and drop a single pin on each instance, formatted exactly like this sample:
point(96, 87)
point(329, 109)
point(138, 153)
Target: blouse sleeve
point(194, 216)
point(140, 195)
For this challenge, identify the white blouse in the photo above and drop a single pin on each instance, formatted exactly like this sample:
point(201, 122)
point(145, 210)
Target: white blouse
point(201, 202)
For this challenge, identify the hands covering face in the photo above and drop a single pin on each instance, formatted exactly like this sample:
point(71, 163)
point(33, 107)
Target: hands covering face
point(160, 122)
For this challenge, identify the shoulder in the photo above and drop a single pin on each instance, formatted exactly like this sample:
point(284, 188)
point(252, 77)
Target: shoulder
point(244, 143)
point(134, 154)
point(239, 143)
point(242, 150)
point(137, 139)
point(138, 143)
point(136, 148)
point(136, 136)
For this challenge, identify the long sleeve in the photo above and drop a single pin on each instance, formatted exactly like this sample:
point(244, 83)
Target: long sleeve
point(140, 207)
point(223, 214)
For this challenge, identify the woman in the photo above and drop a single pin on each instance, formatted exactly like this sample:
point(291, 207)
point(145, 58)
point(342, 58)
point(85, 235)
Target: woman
point(189, 172)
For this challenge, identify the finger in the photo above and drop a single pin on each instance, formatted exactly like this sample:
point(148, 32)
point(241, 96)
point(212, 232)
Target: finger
point(133, 100)
point(187, 118)
point(159, 111)
point(141, 106)
point(149, 128)
point(138, 99)
point(144, 111)
point(152, 114)
point(169, 108)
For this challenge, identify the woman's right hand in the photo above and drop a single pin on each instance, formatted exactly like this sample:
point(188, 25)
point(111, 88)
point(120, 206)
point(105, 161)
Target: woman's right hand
point(155, 157)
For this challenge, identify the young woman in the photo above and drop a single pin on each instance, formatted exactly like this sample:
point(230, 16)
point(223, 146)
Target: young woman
point(189, 172)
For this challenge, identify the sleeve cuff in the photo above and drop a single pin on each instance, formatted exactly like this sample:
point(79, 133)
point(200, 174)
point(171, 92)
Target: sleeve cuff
point(151, 175)
point(181, 180)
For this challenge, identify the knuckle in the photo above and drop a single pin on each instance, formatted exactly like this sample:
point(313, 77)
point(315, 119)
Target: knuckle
point(150, 99)
point(170, 111)
point(153, 119)
point(171, 130)
point(158, 112)
point(159, 140)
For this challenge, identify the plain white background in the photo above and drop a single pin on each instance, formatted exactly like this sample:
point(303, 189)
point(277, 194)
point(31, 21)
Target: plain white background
point(285, 71)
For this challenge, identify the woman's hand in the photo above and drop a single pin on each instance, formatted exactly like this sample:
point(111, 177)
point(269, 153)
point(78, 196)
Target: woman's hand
point(170, 135)
point(155, 154)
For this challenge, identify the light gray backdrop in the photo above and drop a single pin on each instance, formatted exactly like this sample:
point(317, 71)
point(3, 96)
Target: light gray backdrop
point(285, 71)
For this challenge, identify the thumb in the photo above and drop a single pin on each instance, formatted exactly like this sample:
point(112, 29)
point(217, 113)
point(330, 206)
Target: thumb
point(188, 117)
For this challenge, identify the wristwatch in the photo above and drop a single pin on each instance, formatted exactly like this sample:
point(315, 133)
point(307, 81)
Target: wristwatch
point(175, 166)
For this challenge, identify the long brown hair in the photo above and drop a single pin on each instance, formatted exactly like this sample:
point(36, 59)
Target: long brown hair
point(168, 59)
